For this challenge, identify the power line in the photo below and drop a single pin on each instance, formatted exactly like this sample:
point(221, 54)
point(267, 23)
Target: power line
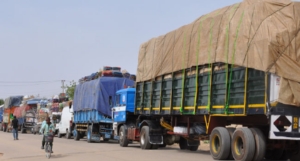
point(8, 85)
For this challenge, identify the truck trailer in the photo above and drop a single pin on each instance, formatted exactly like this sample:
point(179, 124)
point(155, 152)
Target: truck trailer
point(92, 106)
point(234, 67)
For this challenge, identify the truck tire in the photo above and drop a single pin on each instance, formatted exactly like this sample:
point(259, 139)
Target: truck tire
point(89, 134)
point(123, 137)
point(145, 140)
point(59, 134)
point(68, 135)
point(243, 144)
point(231, 131)
point(4, 129)
point(260, 144)
point(76, 134)
point(220, 143)
point(183, 143)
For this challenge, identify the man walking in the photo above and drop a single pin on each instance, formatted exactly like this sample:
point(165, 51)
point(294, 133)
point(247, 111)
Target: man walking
point(15, 124)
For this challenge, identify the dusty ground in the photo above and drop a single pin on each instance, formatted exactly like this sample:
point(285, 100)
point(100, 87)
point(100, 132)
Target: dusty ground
point(28, 148)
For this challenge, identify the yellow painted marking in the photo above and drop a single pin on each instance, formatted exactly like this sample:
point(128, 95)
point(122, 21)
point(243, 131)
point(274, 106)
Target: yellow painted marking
point(156, 108)
point(217, 106)
point(274, 104)
point(176, 108)
point(236, 106)
point(202, 107)
point(186, 108)
point(256, 105)
point(138, 108)
point(146, 108)
point(166, 108)
point(207, 122)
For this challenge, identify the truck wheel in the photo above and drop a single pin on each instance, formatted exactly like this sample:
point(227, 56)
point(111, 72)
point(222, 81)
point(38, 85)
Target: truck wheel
point(220, 143)
point(59, 134)
point(243, 144)
point(123, 137)
point(260, 144)
point(193, 148)
point(89, 134)
point(145, 143)
point(231, 131)
point(4, 129)
point(68, 135)
point(183, 143)
point(76, 134)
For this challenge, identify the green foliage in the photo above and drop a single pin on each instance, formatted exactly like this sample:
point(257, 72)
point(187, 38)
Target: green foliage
point(1, 101)
point(71, 89)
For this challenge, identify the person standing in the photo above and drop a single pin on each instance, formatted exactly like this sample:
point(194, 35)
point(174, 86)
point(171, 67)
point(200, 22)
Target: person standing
point(15, 124)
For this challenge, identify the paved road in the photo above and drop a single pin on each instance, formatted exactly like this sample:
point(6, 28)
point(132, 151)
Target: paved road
point(28, 148)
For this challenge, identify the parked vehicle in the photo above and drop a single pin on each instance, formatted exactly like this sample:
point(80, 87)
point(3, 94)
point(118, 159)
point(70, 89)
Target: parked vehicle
point(65, 124)
point(28, 121)
point(92, 108)
point(10, 104)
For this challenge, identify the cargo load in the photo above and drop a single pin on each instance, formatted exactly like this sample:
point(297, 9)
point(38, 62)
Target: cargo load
point(97, 94)
point(13, 101)
point(261, 35)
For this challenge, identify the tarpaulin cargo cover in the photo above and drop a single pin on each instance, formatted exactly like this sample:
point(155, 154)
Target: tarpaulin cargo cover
point(259, 34)
point(94, 94)
point(13, 101)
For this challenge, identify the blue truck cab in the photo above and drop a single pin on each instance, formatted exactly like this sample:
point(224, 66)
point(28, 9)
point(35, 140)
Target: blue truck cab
point(124, 103)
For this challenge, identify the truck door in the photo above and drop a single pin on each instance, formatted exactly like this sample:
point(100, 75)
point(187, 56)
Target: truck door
point(119, 111)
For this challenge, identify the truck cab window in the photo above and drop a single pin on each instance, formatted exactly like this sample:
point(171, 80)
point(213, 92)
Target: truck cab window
point(118, 100)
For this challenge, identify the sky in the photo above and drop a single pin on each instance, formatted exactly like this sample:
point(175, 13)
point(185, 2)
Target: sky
point(45, 41)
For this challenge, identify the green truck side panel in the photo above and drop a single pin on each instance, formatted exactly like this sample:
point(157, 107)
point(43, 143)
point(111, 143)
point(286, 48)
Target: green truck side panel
point(163, 90)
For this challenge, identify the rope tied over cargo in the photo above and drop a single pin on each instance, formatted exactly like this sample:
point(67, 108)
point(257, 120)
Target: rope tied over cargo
point(197, 68)
point(231, 68)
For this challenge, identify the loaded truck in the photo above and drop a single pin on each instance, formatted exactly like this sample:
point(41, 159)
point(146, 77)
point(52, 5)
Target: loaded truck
point(234, 67)
point(28, 121)
point(92, 106)
point(10, 104)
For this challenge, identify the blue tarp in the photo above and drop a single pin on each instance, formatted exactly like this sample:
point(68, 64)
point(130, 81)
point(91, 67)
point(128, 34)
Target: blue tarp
point(94, 94)
point(33, 101)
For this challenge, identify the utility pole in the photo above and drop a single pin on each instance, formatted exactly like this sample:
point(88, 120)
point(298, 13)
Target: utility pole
point(63, 86)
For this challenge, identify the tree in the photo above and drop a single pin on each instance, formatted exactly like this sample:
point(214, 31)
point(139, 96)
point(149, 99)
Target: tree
point(1, 102)
point(71, 89)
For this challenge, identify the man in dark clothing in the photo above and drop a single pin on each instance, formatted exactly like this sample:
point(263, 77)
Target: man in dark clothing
point(15, 124)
